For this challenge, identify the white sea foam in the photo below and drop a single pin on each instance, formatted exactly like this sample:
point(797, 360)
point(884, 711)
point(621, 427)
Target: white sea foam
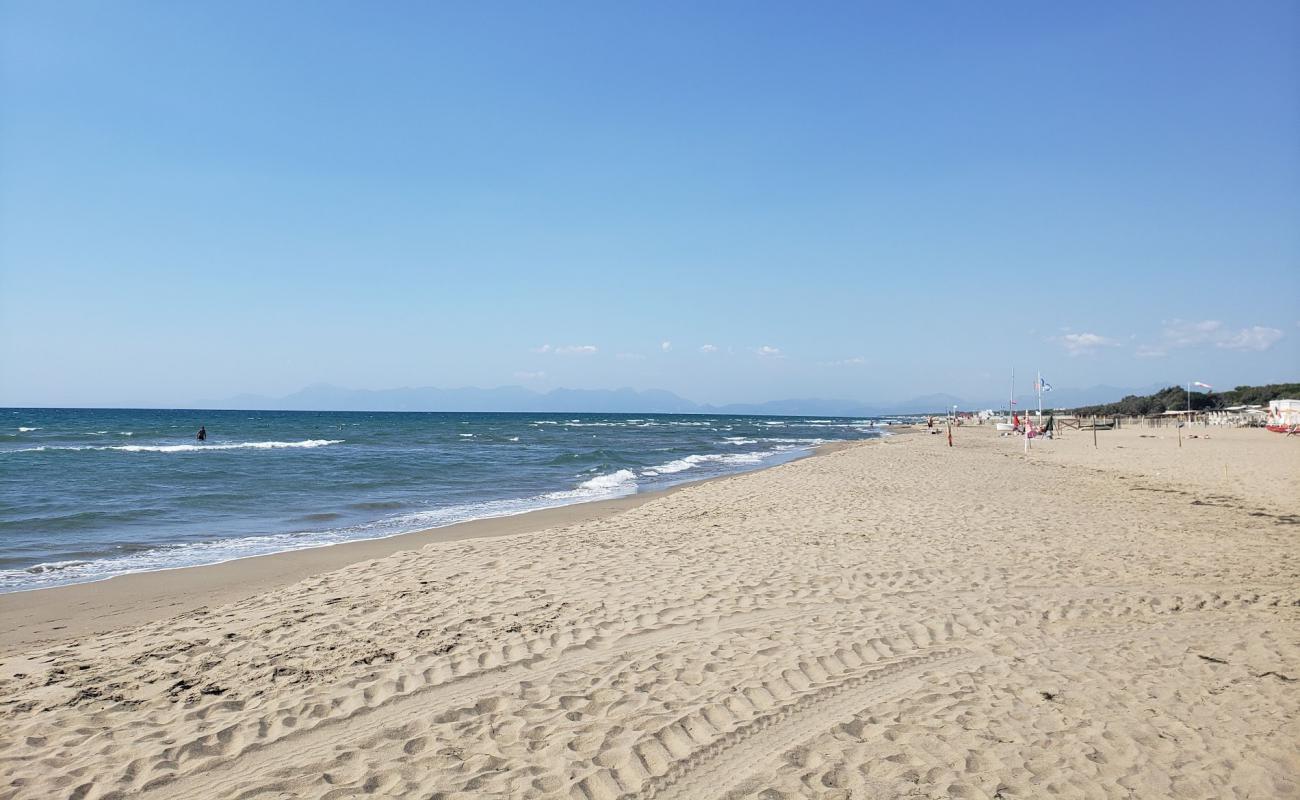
point(679, 465)
point(465, 435)
point(175, 556)
point(190, 448)
point(623, 478)
point(786, 440)
point(55, 566)
point(692, 461)
point(26, 430)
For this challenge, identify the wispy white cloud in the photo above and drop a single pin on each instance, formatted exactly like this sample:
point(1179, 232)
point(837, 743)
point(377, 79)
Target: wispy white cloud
point(1077, 344)
point(1178, 334)
point(666, 346)
point(855, 361)
point(708, 348)
point(567, 349)
point(767, 351)
point(530, 376)
point(1256, 337)
point(1188, 334)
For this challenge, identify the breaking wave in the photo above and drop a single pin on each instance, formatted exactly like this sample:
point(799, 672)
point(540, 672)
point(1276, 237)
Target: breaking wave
point(186, 448)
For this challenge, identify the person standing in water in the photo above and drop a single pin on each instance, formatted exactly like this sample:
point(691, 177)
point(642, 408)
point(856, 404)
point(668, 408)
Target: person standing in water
point(203, 434)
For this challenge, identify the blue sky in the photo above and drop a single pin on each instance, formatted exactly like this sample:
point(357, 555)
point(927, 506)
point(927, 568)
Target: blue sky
point(735, 201)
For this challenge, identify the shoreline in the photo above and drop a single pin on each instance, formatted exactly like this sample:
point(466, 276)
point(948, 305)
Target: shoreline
point(48, 614)
point(968, 621)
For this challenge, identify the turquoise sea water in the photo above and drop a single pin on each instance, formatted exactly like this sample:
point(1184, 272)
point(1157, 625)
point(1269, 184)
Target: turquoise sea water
point(88, 494)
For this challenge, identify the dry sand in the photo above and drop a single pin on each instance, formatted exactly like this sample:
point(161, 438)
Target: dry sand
point(895, 619)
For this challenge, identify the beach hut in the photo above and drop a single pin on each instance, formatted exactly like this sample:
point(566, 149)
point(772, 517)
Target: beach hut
point(1242, 416)
point(1283, 416)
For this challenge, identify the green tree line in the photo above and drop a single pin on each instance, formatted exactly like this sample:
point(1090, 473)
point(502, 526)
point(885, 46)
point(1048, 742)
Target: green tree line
point(1174, 398)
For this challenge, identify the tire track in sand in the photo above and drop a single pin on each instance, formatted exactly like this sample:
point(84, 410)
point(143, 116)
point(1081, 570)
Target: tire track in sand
point(714, 769)
point(319, 741)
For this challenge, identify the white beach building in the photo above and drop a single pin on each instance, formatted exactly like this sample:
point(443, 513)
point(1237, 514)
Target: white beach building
point(1283, 415)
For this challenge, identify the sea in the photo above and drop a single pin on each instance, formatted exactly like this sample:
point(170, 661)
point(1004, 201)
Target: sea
point(87, 494)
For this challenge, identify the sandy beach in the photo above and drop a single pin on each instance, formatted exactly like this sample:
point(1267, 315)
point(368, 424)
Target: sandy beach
point(894, 618)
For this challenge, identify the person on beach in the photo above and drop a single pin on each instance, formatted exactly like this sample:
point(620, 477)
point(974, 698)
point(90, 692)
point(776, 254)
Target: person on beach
point(203, 434)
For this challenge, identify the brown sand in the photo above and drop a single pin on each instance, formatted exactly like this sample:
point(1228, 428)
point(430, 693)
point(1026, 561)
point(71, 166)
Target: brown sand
point(896, 619)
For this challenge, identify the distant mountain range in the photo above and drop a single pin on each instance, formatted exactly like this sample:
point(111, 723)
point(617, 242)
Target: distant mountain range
point(323, 397)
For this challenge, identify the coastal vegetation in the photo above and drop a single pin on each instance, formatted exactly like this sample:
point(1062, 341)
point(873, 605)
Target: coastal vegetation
point(1176, 398)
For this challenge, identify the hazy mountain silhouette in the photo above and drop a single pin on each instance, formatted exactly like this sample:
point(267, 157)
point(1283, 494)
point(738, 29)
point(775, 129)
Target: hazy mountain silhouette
point(324, 397)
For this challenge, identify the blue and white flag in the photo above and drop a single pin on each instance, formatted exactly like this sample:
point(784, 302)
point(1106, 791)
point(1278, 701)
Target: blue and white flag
point(1043, 385)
